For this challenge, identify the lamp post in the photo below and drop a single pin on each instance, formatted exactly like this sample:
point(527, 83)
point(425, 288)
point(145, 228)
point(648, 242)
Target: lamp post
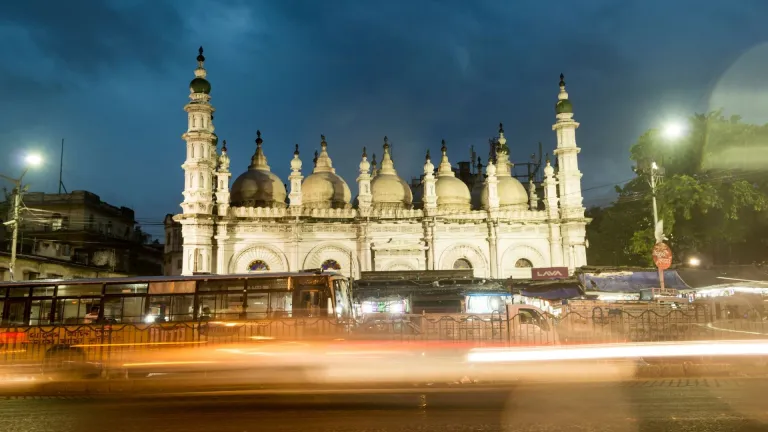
point(662, 255)
point(31, 160)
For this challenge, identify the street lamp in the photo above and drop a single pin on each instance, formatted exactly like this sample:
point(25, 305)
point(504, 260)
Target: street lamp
point(31, 160)
point(673, 130)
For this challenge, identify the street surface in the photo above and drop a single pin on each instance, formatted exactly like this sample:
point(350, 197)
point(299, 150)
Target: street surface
point(705, 405)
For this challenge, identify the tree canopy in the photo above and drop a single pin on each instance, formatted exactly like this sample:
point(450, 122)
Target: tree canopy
point(712, 196)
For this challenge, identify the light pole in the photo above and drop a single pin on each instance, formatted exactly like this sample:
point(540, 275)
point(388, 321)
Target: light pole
point(31, 160)
point(671, 131)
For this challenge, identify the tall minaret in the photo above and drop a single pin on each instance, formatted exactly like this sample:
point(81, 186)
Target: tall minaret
point(429, 194)
point(492, 183)
point(295, 179)
point(199, 175)
point(222, 181)
point(201, 162)
point(550, 206)
point(364, 197)
point(568, 176)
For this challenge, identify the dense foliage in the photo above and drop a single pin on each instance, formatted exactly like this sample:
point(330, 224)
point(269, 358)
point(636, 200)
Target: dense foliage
point(712, 197)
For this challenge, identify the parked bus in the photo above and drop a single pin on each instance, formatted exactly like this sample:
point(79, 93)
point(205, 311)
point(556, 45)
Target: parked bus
point(162, 299)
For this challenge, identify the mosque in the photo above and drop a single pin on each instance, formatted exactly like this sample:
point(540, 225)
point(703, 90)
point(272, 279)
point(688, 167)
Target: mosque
point(493, 225)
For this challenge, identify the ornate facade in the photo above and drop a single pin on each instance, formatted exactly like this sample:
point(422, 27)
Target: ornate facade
point(497, 227)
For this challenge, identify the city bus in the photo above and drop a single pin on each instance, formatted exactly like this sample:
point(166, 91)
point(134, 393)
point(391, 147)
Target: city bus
point(169, 299)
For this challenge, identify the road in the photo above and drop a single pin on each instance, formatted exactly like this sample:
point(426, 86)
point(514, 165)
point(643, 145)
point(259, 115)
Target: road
point(705, 405)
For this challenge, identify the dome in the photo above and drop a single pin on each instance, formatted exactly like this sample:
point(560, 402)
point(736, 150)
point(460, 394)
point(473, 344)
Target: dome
point(512, 193)
point(452, 193)
point(388, 190)
point(563, 106)
point(324, 188)
point(200, 85)
point(258, 187)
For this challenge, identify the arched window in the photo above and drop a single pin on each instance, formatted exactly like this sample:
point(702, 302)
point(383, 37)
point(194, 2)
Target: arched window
point(330, 264)
point(462, 264)
point(523, 263)
point(258, 266)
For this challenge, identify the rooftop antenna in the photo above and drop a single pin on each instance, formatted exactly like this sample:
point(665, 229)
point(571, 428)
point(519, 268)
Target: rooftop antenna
point(61, 168)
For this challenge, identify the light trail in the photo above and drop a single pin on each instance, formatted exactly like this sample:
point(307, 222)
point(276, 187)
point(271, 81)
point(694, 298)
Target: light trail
point(623, 351)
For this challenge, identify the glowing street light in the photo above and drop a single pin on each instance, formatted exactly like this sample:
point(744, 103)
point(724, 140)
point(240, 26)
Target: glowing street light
point(673, 130)
point(31, 160)
point(694, 262)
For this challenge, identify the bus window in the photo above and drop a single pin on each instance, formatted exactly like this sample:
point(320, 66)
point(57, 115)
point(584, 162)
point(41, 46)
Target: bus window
point(170, 308)
point(308, 302)
point(73, 311)
point(280, 304)
point(124, 309)
point(341, 294)
point(258, 305)
point(222, 306)
point(40, 313)
point(13, 314)
point(78, 290)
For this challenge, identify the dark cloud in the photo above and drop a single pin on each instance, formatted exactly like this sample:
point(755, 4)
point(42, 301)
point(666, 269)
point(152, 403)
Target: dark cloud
point(91, 36)
point(112, 78)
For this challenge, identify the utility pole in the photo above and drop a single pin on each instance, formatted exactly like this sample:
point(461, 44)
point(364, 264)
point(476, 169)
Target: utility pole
point(18, 191)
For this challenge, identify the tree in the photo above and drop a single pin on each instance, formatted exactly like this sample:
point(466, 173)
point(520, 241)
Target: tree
point(712, 197)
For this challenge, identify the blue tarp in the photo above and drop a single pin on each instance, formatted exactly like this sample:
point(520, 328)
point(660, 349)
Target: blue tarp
point(553, 294)
point(630, 282)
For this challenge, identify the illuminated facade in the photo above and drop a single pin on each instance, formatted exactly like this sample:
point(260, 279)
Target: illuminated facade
point(497, 227)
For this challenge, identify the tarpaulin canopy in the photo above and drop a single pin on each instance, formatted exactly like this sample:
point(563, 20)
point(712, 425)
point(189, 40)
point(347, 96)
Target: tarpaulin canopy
point(630, 281)
point(556, 293)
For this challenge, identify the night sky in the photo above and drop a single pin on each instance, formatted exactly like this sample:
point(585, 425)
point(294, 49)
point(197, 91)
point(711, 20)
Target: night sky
point(111, 78)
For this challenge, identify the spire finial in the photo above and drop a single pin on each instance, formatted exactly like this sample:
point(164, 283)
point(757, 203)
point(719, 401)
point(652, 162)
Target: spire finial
point(443, 149)
point(562, 80)
point(323, 144)
point(296, 152)
point(365, 152)
point(200, 56)
point(501, 128)
point(258, 138)
point(224, 146)
point(428, 158)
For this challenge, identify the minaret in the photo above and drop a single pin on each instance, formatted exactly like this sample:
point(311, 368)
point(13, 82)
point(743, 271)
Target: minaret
point(200, 172)
point(568, 176)
point(295, 178)
point(374, 167)
point(550, 206)
point(550, 191)
point(493, 186)
point(364, 197)
point(429, 195)
point(501, 160)
point(201, 163)
point(222, 181)
point(533, 199)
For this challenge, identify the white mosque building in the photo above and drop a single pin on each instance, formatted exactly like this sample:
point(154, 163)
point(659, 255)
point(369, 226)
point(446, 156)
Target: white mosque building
point(497, 227)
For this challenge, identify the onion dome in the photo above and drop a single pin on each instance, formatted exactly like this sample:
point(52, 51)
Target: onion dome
point(324, 188)
point(389, 191)
point(512, 193)
point(563, 105)
point(199, 84)
point(259, 186)
point(452, 193)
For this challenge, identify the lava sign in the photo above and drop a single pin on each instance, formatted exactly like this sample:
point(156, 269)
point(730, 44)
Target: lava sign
point(662, 256)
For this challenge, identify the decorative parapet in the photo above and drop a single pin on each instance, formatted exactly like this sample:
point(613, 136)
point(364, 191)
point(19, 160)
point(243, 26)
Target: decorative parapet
point(258, 212)
point(395, 213)
point(330, 213)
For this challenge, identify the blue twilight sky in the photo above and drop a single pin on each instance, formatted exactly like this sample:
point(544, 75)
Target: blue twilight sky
point(111, 77)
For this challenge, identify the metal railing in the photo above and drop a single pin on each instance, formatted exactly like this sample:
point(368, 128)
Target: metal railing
point(55, 347)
